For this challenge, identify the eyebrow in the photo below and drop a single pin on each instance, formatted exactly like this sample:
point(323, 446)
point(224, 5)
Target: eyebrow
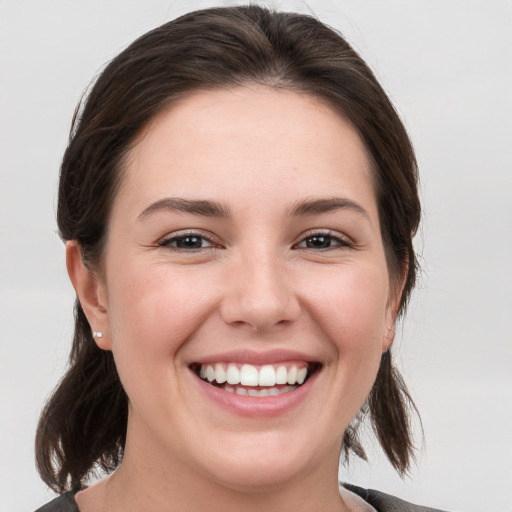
point(326, 205)
point(194, 206)
point(208, 208)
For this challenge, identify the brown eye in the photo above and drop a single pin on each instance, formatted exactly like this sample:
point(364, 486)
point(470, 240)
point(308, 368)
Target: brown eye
point(323, 241)
point(319, 242)
point(188, 242)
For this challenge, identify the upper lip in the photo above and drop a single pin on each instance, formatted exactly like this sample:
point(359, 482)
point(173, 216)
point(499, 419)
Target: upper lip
point(256, 357)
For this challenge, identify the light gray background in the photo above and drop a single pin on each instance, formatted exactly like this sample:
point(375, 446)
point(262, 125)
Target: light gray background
point(447, 66)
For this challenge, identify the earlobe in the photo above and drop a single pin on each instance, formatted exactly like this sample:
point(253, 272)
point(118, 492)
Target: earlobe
point(388, 338)
point(390, 320)
point(90, 291)
point(392, 310)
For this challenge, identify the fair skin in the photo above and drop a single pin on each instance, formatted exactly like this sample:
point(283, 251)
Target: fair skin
point(283, 267)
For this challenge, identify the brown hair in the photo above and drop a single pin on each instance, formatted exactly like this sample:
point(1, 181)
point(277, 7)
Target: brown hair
point(83, 425)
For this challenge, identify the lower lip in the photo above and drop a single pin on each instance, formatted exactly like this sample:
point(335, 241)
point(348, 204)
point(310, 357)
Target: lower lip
point(257, 406)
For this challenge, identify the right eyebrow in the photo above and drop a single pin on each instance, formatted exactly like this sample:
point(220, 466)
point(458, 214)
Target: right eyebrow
point(202, 207)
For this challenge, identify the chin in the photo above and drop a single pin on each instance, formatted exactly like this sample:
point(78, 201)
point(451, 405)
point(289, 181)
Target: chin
point(260, 463)
point(260, 476)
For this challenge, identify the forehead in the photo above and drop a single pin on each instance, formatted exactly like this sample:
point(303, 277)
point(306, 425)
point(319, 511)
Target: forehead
point(247, 138)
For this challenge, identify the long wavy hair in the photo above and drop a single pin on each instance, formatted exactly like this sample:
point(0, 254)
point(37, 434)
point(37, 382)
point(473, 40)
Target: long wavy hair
point(83, 425)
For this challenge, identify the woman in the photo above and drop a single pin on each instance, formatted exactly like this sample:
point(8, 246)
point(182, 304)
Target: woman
point(238, 201)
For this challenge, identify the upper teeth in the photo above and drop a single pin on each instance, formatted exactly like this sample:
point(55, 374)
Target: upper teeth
point(249, 375)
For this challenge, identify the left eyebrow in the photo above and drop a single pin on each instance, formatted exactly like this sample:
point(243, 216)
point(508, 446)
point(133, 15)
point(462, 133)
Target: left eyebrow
point(326, 205)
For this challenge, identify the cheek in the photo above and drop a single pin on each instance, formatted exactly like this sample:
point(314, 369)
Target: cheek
point(350, 306)
point(151, 316)
point(152, 313)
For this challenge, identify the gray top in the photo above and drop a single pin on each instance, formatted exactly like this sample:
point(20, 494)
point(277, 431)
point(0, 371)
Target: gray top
point(380, 501)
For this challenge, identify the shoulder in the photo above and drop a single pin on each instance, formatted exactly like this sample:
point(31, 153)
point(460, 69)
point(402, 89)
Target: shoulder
point(381, 501)
point(386, 503)
point(64, 503)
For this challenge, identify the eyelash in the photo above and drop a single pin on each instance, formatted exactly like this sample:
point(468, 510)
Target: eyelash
point(183, 236)
point(340, 242)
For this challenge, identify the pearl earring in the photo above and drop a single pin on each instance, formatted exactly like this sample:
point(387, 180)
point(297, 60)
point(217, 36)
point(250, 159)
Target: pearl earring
point(97, 334)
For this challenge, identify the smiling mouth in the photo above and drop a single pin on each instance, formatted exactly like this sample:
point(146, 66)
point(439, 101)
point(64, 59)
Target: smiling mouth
point(255, 381)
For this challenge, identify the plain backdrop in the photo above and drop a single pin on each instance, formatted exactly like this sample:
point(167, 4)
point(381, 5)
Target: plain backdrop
point(447, 66)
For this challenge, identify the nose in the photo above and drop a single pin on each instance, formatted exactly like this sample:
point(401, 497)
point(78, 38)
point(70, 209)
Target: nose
point(259, 293)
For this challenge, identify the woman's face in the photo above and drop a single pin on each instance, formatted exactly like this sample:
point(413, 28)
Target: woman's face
point(244, 243)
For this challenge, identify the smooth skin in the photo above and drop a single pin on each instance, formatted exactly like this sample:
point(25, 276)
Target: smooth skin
point(255, 275)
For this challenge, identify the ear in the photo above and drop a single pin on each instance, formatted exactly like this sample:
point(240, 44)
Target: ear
point(91, 293)
point(392, 306)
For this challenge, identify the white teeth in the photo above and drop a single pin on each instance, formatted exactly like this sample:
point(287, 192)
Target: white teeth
point(210, 373)
point(264, 392)
point(220, 374)
point(248, 375)
point(233, 375)
point(281, 375)
point(240, 390)
point(292, 375)
point(267, 376)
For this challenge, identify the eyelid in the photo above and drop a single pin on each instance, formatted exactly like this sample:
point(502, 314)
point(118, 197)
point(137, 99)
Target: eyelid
point(167, 239)
point(344, 240)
